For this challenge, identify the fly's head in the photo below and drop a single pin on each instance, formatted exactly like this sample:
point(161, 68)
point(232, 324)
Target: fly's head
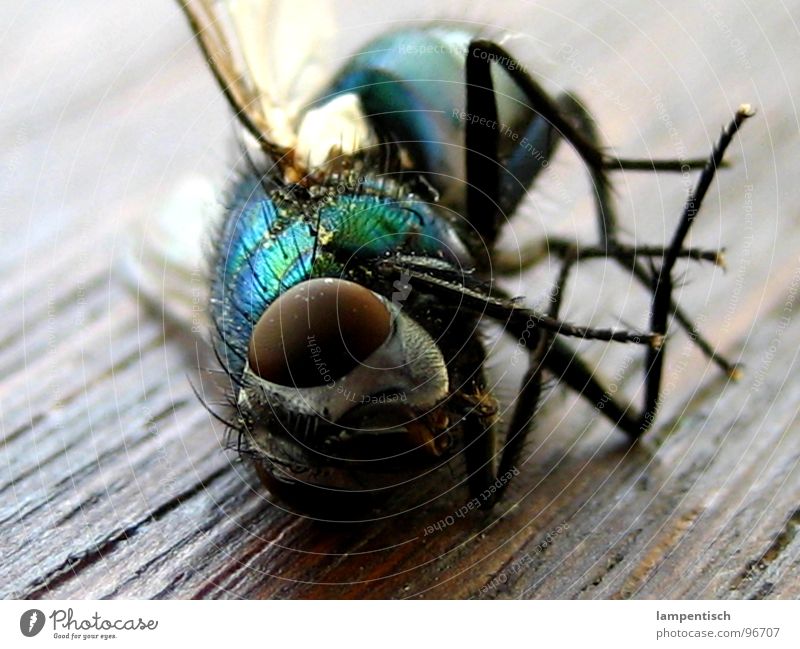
point(354, 382)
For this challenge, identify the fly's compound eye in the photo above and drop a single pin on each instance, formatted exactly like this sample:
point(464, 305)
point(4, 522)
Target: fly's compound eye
point(317, 332)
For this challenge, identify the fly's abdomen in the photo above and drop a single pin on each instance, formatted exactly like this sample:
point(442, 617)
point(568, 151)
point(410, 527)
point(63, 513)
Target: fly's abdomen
point(411, 86)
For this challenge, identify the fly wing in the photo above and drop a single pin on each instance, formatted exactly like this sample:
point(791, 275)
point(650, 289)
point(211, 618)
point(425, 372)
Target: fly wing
point(283, 46)
point(271, 58)
point(163, 260)
point(213, 31)
point(268, 60)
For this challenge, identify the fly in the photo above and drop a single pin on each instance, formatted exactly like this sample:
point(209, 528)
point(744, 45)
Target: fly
point(357, 261)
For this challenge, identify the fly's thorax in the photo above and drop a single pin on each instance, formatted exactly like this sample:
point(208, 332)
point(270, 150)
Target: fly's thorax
point(271, 240)
point(363, 214)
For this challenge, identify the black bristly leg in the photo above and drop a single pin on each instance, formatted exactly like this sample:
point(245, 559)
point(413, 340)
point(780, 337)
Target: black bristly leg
point(486, 483)
point(480, 430)
point(453, 288)
point(527, 402)
point(479, 425)
point(628, 256)
point(662, 282)
point(684, 320)
point(482, 167)
point(607, 226)
point(483, 212)
point(575, 373)
point(481, 163)
point(481, 53)
point(625, 254)
point(571, 121)
point(481, 137)
point(531, 388)
point(530, 391)
point(606, 215)
point(479, 436)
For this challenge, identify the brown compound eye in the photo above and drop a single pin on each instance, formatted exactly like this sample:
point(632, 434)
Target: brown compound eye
point(316, 332)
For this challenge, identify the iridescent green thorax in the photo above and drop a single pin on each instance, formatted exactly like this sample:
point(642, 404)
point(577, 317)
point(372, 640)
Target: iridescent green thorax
point(270, 242)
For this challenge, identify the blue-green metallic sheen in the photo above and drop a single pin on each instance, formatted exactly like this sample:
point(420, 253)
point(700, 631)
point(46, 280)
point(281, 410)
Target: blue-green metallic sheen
point(269, 244)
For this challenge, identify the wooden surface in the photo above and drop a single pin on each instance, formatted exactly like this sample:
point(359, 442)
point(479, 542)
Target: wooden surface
point(114, 482)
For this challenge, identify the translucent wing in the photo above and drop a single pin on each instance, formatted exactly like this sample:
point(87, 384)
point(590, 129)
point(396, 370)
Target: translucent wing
point(163, 261)
point(271, 59)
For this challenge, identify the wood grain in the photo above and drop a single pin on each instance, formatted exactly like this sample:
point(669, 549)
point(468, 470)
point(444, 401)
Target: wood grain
point(115, 481)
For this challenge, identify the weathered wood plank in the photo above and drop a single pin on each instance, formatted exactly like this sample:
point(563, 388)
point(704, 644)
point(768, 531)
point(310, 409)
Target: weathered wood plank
point(115, 482)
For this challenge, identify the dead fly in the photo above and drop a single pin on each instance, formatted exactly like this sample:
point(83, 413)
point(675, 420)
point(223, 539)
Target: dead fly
point(356, 263)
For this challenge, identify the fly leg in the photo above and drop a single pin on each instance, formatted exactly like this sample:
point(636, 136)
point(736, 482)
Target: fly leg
point(629, 257)
point(574, 372)
point(482, 170)
point(480, 55)
point(571, 121)
point(508, 263)
point(607, 227)
point(488, 477)
point(530, 392)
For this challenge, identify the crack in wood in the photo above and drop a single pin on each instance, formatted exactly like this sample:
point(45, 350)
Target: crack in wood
point(756, 567)
point(661, 549)
point(74, 563)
